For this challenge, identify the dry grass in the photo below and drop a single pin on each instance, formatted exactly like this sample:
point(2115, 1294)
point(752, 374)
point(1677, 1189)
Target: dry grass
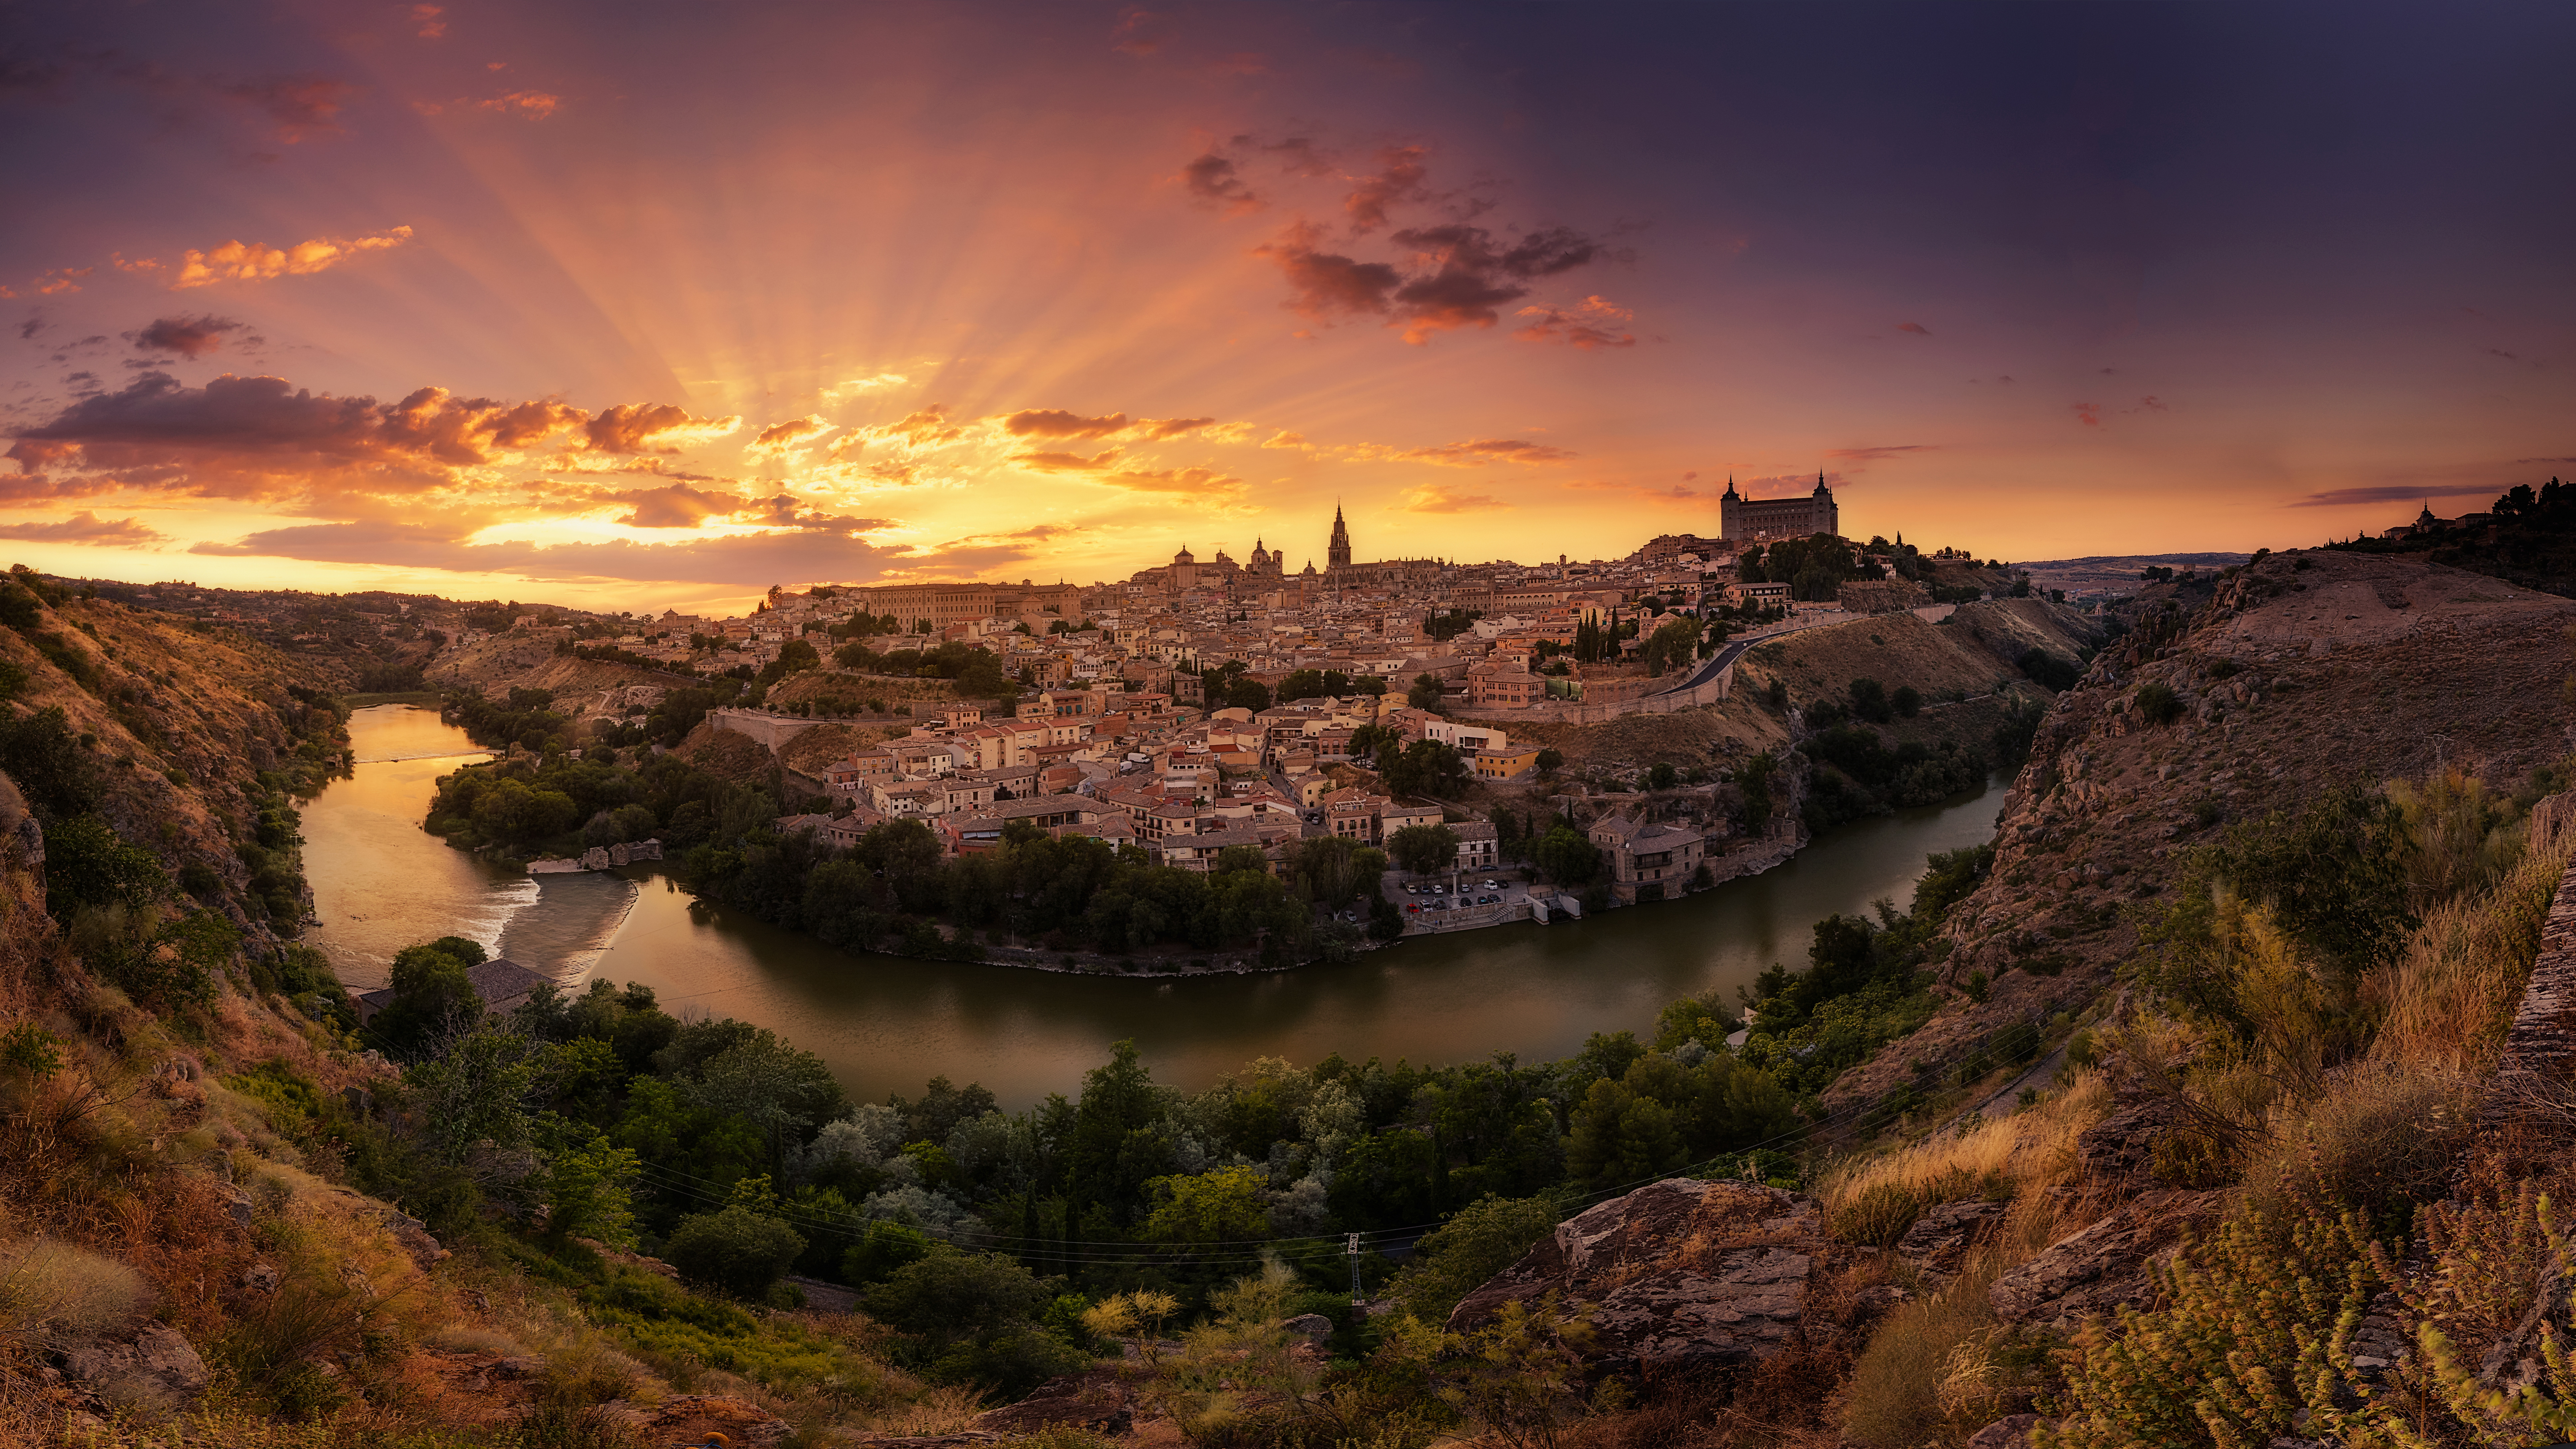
point(2448, 1000)
point(936, 1411)
point(1940, 1366)
point(2029, 1149)
point(52, 1292)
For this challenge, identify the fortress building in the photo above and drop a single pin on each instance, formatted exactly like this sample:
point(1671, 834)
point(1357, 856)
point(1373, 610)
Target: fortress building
point(1743, 520)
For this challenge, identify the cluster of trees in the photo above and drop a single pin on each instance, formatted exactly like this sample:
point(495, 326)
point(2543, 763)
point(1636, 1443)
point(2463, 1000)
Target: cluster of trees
point(893, 891)
point(977, 673)
point(1813, 568)
point(1449, 624)
point(1326, 684)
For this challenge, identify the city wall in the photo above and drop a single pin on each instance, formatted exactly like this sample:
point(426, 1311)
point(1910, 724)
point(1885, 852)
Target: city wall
point(772, 730)
point(1708, 692)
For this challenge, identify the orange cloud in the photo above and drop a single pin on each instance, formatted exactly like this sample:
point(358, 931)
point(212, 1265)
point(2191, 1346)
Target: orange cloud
point(653, 428)
point(779, 437)
point(1480, 451)
point(262, 438)
point(1065, 462)
point(926, 428)
point(531, 105)
point(87, 527)
point(237, 261)
point(1588, 326)
point(1435, 498)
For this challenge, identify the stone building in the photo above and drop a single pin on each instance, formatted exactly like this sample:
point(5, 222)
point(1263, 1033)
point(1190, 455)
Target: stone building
point(1743, 520)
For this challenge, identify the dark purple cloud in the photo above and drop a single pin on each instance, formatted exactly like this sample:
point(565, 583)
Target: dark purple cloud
point(189, 337)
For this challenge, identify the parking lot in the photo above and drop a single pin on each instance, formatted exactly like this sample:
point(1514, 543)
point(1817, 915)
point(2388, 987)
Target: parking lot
point(1457, 900)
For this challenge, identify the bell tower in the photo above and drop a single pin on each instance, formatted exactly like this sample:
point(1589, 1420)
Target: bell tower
point(1337, 555)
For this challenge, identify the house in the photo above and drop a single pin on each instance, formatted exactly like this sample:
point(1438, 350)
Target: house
point(1479, 848)
point(1507, 764)
point(500, 983)
point(1648, 862)
point(1500, 685)
point(1393, 817)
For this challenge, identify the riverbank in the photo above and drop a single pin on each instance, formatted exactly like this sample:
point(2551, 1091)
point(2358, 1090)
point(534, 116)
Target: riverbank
point(888, 1023)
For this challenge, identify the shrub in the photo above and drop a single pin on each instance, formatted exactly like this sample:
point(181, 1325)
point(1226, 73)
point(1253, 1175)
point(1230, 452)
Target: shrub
point(2157, 704)
point(883, 1249)
point(736, 1251)
point(1477, 1242)
point(53, 1293)
point(1878, 1214)
point(2451, 993)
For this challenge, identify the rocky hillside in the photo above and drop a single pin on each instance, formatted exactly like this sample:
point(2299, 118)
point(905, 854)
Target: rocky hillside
point(499, 663)
point(189, 741)
point(2256, 694)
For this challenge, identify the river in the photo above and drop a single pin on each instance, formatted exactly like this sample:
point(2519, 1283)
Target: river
point(888, 1024)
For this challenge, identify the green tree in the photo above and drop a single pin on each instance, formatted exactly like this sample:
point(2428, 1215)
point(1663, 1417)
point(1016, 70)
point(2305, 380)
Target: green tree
point(1619, 1137)
point(1753, 780)
point(1550, 760)
point(1425, 767)
point(735, 1251)
point(1461, 1255)
point(1423, 848)
point(1662, 776)
point(433, 998)
point(1424, 693)
point(590, 1190)
point(1223, 1206)
point(88, 864)
point(1566, 857)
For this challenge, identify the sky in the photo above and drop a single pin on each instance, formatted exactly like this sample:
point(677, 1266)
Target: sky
point(653, 304)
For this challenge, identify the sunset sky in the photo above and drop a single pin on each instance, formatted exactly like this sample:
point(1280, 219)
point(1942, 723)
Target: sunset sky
point(654, 303)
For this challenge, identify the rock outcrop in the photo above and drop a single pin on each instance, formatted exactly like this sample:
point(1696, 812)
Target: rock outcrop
point(1939, 1241)
point(155, 1369)
point(2102, 1268)
point(1677, 1272)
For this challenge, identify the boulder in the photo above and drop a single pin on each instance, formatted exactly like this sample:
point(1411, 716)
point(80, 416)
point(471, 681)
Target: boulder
point(1314, 1328)
point(1098, 1401)
point(688, 1419)
point(413, 1237)
point(1940, 1239)
point(156, 1369)
point(2104, 1267)
point(2114, 1153)
point(1676, 1273)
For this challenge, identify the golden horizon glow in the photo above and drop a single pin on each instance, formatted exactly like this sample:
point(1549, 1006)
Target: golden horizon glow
point(802, 295)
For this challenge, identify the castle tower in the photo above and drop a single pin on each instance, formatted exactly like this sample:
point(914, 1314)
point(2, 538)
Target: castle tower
point(1828, 516)
point(1730, 512)
point(1337, 555)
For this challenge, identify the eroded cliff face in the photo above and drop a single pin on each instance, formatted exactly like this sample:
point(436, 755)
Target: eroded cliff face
point(2299, 673)
point(183, 735)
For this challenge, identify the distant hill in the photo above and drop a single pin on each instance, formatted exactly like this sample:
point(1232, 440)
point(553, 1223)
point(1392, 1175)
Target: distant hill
point(2121, 573)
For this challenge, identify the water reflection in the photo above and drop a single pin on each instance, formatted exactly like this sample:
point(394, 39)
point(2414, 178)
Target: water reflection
point(887, 1024)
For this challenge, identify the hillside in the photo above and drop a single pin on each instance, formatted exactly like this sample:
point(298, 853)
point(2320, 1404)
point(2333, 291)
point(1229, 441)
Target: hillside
point(2301, 673)
point(499, 663)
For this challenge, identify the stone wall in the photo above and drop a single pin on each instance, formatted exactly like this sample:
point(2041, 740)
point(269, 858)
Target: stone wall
point(1710, 692)
point(2538, 1064)
point(772, 730)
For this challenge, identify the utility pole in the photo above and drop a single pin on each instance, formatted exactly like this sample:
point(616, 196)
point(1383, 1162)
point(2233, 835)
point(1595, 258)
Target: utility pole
point(1353, 1251)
